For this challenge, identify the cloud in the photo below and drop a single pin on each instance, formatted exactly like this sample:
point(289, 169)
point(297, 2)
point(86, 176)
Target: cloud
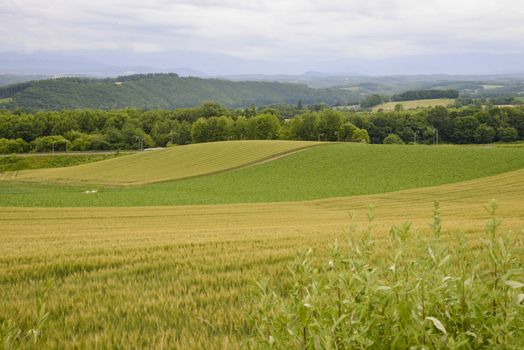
point(284, 30)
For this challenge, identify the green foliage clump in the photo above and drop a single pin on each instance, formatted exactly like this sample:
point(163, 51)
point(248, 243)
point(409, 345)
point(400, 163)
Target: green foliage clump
point(50, 143)
point(484, 134)
point(15, 336)
point(372, 100)
point(438, 292)
point(18, 145)
point(393, 139)
point(508, 134)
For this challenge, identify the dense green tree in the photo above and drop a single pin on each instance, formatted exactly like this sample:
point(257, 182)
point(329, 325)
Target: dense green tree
point(132, 128)
point(360, 135)
point(464, 129)
point(327, 124)
point(13, 146)
point(50, 144)
point(241, 128)
point(263, 127)
point(484, 134)
point(213, 129)
point(372, 100)
point(86, 142)
point(508, 134)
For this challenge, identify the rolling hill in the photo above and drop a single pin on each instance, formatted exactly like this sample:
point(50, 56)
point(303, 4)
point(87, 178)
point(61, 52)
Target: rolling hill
point(332, 170)
point(162, 91)
point(172, 163)
point(172, 267)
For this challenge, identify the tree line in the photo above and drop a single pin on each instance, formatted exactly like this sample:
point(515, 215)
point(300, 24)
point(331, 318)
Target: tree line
point(424, 95)
point(82, 130)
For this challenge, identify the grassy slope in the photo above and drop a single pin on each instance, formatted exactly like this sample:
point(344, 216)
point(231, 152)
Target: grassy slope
point(168, 164)
point(389, 106)
point(23, 162)
point(335, 170)
point(182, 277)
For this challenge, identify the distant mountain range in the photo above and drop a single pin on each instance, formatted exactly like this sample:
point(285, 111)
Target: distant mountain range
point(186, 89)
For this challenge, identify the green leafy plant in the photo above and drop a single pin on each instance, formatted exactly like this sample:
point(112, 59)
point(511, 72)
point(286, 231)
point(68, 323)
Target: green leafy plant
point(446, 290)
point(13, 336)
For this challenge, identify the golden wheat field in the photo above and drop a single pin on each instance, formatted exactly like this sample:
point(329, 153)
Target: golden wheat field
point(183, 277)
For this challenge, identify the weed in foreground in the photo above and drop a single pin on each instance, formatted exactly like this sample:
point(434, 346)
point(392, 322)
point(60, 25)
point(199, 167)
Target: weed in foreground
point(442, 291)
point(12, 336)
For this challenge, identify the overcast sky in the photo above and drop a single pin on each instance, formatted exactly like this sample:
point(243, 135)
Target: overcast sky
point(279, 32)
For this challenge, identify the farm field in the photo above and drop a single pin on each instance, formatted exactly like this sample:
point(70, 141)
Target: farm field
point(491, 86)
point(390, 106)
point(168, 164)
point(184, 276)
point(175, 264)
point(329, 170)
point(39, 161)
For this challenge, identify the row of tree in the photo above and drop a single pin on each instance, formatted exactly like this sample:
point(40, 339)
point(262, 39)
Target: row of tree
point(450, 125)
point(82, 130)
point(425, 94)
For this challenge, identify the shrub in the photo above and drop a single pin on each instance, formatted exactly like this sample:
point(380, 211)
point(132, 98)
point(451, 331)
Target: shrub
point(440, 291)
point(360, 135)
point(393, 139)
point(13, 146)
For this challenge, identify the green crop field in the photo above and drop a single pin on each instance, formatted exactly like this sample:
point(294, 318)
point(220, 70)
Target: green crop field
point(39, 161)
point(175, 264)
point(168, 164)
point(326, 171)
point(390, 106)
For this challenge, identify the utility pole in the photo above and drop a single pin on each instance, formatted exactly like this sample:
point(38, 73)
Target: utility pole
point(415, 137)
point(53, 145)
point(435, 136)
point(140, 142)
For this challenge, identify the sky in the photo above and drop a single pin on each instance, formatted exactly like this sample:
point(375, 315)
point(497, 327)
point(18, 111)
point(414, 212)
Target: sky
point(287, 36)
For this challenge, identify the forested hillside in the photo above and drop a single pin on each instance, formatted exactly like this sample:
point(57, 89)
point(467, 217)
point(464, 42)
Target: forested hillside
point(161, 91)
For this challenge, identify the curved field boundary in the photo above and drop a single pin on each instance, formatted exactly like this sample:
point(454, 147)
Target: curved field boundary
point(166, 165)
